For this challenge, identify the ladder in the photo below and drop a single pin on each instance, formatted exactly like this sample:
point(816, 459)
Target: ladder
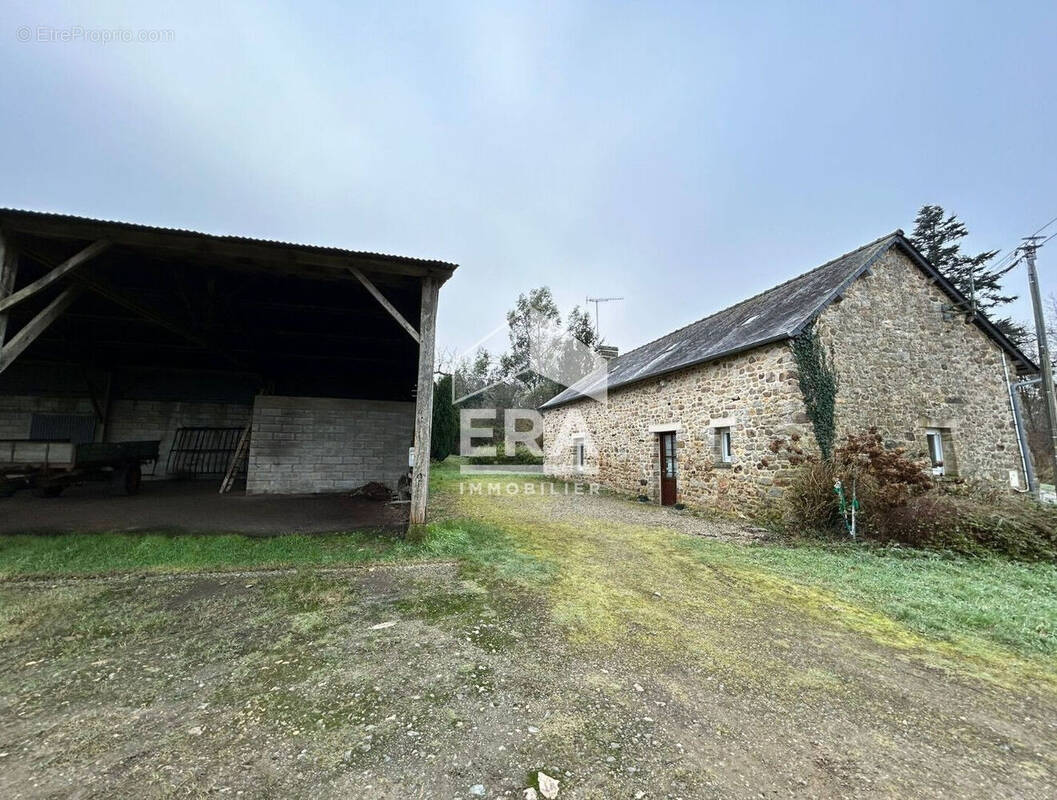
point(238, 458)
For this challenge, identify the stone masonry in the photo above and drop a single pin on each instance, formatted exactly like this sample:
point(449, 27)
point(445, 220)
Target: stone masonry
point(904, 363)
point(907, 361)
point(313, 445)
point(755, 394)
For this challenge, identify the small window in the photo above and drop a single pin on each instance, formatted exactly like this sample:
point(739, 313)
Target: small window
point(580, 454)
point(934, 437)
point(723, 450)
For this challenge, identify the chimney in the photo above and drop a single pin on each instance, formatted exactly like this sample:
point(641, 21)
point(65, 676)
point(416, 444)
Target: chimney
point(607, 351)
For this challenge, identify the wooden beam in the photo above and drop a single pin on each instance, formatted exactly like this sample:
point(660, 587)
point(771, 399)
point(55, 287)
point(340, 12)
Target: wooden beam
point(65, 268)
point(424, 400)
point(8, 274)
point(36, 326)
point(370, 287)
point(115, 295)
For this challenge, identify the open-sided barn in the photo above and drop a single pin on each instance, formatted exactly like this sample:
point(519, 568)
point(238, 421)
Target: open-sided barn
point(114, 332)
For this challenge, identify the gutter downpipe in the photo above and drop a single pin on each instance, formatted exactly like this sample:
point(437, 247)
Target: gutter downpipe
point(1022, 444)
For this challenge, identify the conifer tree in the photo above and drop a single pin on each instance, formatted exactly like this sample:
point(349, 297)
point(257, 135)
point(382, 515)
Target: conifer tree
point(937, 235)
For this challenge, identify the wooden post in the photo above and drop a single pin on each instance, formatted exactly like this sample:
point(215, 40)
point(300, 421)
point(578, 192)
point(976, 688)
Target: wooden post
point(108, 396)
point(427, 330)
point(8, 273)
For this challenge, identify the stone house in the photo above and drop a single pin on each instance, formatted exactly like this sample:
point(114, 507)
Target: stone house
point(694, 416)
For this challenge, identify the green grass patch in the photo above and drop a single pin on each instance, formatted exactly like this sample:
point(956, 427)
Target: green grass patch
point(621, 582)
point(954, 599)
point(90, 553)
point(109, 553)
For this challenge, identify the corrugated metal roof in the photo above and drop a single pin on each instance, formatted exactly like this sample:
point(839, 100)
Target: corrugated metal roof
point(778, 313)
point(134, 226)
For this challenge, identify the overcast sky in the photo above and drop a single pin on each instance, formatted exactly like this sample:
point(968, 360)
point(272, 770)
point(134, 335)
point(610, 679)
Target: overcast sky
point(682, 155)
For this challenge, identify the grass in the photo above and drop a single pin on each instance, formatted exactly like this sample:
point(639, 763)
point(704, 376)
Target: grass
point(599, 578)
point(474, 543)
point(992, 619)
point(107, 553)
point(1008, 603)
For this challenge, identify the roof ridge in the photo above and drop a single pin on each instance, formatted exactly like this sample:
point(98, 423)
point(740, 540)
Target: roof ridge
point(898, 232)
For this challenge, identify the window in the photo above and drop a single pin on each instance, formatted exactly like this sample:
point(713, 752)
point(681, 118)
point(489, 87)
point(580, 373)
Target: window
point(579, 455)
point(723, 450)
point(934, 437)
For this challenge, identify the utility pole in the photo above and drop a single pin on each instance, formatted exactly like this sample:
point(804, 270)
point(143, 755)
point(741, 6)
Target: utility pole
point(1044, 349)
point(596, 301)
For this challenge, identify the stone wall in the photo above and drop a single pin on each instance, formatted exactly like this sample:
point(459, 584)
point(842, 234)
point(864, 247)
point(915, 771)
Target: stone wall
point(312, 445)
point(755, 394)
point(907, 361)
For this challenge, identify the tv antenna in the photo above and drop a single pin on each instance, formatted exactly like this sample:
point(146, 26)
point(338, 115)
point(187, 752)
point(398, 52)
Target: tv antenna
point(596, 301)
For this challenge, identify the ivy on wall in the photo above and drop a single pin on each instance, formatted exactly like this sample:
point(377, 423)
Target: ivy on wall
point(818, 383)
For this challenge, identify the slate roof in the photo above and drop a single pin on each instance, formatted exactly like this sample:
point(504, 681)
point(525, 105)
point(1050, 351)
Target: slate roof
point(778, 313)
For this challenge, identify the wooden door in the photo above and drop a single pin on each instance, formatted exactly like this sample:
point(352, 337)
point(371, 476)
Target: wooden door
point(669, 468)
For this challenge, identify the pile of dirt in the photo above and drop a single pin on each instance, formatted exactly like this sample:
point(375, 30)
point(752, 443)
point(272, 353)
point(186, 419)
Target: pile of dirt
point(373, 491)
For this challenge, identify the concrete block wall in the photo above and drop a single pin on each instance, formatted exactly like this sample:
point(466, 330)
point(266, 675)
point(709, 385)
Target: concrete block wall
point(133, 420)
point(312, 444)
point(130, 420)
point(16, 411)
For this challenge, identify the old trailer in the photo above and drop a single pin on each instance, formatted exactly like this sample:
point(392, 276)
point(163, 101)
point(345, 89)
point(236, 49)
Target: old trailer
point(48, 467)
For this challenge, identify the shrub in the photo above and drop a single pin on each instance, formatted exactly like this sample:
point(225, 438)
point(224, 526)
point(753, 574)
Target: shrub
point(899, 502)
point(895, 476)
point(810, 502)
point(521, 456)
point(445, 436)
point(974, 523)
point(880, 477)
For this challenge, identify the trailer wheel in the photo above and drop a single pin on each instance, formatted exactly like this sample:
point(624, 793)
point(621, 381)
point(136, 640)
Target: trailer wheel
point(49, 490)
point(127, 479)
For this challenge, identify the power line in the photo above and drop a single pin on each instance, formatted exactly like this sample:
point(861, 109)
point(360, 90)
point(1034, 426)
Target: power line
point(1044, 227)
point(1016, 253)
